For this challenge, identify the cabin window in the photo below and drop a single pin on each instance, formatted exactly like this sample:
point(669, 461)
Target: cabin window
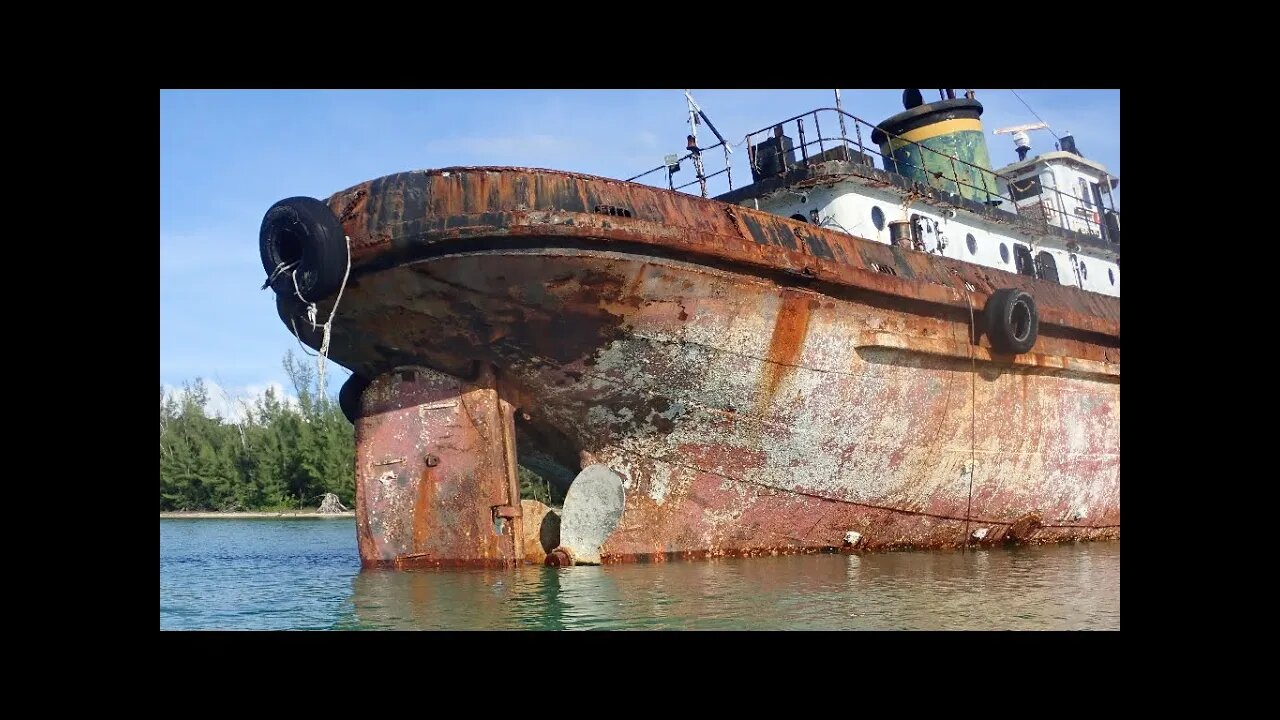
point(1046, 266)
point(799, 217)
point(972, 243)
point(1084, 193)
point(1111, 274)
point(1021, 189)
point(877, 217)
point(1084, 272)
point(1004, 253)
point(1023, 261)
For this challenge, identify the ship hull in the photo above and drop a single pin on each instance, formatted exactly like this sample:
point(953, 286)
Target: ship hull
point(773, 406)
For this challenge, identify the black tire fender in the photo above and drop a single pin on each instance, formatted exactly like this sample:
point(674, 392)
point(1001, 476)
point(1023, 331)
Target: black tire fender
point(349, 396)
point(305, 231)
point(1012, 321)
point(293, 313)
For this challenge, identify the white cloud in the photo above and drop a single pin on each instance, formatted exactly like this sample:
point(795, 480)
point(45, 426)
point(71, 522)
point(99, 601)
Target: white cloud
point(230, 404)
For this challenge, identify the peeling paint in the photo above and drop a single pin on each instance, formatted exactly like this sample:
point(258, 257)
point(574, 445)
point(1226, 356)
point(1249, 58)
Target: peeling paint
point(748, 407)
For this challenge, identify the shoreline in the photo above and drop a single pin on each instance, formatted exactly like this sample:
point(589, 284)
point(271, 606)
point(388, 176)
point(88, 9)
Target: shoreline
point(210, 515)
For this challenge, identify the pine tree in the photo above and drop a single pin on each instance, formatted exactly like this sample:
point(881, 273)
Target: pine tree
point(279, 454)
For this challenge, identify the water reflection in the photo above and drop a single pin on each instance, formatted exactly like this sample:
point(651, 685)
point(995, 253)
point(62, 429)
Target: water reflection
point(1062, 587)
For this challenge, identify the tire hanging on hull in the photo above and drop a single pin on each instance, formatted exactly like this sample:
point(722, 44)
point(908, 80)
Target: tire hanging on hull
point(303, 249)
point(349, 396)
point(1012, 321)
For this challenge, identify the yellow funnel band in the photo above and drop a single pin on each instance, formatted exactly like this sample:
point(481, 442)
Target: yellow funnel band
point(946, 127)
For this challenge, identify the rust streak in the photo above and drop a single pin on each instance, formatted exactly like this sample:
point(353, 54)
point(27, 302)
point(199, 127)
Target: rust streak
point(422, 509)
point(679, 346)
point(790, 327)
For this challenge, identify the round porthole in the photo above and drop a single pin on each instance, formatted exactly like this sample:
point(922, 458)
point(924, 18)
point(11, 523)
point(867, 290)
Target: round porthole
point(1084, 272)
point(877, 217)
point(972, 242)
point(1004, 253)
point(1111, 274)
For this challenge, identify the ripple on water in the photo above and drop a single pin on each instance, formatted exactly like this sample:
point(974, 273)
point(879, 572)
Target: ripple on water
point(280, 574)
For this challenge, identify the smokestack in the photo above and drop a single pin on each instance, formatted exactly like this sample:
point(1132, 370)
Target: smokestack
point(1069, 144)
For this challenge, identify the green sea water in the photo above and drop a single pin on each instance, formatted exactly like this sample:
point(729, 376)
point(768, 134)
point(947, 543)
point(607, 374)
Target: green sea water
point(276, 574)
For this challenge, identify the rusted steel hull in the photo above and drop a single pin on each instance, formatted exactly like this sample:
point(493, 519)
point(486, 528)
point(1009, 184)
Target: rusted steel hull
point(761, 386)
point(436, 474)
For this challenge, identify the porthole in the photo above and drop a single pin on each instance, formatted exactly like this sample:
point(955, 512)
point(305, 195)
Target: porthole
point(1111, 274)
point(877, 217)
point(972, 242)
point(1084, 272)
point(1004, 253)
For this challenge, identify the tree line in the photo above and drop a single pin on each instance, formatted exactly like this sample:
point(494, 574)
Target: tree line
point(279, 455)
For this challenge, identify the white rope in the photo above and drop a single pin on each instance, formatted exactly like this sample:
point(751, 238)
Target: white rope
point(280, 267)
point(328, 324)
point(973, 412)
point(296, 290)
point(305, 351)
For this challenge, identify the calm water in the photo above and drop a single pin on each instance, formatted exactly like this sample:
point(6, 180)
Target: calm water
point(305, 574)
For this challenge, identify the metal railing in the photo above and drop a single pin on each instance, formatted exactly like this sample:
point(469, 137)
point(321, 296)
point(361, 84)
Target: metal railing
point(694, 154)
point(1054, 210)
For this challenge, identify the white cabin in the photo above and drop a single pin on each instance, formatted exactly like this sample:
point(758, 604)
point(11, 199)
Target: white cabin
point(857, 209)
point(1045, 216)
point(1082, 187)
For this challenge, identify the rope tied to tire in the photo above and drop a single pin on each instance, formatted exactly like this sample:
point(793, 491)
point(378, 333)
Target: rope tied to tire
point(1012, 323)
point(973, 412)
point(313, 312)
point(280, 268)
point(301, 237)
point(328, 325)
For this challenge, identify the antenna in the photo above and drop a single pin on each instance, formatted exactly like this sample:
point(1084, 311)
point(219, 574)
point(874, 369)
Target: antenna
point(1021, 142)
point(693, 123)
point(695, 113)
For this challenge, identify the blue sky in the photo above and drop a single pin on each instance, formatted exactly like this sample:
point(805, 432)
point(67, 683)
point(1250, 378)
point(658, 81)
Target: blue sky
point(226, 156)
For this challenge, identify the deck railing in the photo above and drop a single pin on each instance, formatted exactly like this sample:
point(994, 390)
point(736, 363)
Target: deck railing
point(1054, 212)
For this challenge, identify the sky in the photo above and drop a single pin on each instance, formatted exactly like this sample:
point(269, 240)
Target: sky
point(226, 156)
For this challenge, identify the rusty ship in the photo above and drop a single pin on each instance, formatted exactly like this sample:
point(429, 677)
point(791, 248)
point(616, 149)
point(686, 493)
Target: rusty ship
point(879, 342)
